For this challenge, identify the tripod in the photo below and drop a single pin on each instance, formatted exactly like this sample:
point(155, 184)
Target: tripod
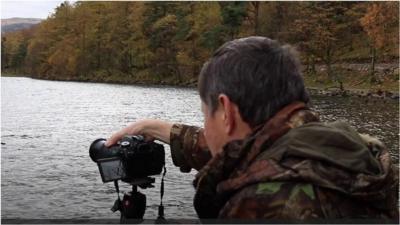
point(133, 204)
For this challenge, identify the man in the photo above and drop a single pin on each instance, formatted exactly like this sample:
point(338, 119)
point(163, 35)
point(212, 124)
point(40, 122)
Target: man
point(263, 154)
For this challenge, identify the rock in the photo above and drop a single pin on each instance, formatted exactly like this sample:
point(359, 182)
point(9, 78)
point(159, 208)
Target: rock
point(345, 93)
point(394, 96)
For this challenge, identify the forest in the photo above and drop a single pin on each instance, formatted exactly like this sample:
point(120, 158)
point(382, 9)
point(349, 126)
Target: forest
point(340, 43)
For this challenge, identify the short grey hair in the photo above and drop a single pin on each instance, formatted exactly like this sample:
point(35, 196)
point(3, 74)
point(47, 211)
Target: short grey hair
point(258, 74)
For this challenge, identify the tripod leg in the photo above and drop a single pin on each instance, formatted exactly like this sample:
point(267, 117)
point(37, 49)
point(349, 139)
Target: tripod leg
point(122, 219)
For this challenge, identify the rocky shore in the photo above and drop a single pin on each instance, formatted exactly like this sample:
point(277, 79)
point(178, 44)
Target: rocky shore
point(369, 94)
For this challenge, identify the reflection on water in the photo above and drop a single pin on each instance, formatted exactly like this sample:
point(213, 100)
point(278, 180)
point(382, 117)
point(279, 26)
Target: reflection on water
point(47, 127)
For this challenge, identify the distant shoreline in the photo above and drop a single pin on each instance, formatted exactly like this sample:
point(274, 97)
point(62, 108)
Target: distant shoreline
point(324, 91)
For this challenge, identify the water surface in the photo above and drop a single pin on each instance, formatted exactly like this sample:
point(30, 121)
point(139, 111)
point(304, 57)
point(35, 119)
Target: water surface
point(47, 127)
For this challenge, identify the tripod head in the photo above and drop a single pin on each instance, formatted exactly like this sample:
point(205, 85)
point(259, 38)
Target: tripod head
point(133, 204)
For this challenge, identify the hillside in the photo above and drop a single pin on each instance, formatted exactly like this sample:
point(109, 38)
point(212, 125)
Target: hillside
point(14, 24)
point(168, 42)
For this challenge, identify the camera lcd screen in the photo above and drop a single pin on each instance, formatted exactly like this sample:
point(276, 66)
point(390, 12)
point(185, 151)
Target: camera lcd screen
point(111, 169)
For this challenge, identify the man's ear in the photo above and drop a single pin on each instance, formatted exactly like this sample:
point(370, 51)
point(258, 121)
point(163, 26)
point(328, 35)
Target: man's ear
point(228, 113)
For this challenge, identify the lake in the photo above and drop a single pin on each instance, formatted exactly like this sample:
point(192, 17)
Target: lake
point(48, 126)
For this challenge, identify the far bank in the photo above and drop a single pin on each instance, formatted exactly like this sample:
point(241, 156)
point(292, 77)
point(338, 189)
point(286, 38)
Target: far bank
point(351, 79)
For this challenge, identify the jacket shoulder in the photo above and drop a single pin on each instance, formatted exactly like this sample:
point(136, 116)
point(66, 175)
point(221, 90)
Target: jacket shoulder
point(273, 200)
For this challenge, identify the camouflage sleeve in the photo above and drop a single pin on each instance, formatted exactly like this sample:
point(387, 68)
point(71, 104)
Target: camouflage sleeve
point(188, 147)
point(273, 200)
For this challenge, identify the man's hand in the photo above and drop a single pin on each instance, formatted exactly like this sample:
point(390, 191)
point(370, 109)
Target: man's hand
point(149, 128)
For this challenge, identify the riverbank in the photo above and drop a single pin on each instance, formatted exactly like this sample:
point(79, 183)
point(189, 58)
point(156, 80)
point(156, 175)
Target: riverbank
point(354, 80)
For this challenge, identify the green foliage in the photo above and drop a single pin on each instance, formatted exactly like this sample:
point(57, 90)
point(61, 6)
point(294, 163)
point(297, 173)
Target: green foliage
point(232, 14)
point(170, 41)
point(212, 39)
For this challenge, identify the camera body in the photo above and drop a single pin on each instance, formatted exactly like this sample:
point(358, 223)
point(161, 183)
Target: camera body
point(130, 159)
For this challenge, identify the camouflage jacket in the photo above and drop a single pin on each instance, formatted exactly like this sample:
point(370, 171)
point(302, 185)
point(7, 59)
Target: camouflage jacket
point(292, 168)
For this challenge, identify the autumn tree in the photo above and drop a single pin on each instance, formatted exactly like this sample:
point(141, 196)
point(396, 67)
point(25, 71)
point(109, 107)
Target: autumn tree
point(253, 16)
point(138, 43)
point(196, 21)
point(160, 26)
point(4, 53)
point(160, 41)
point(80, 29)
point(17, 59)
point(119, 31)
point(381, 22)
point(187, 53)
point(63, 57)
point(14, 49)
point(319, 32)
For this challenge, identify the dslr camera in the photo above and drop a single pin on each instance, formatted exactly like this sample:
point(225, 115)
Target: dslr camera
point(131, 158)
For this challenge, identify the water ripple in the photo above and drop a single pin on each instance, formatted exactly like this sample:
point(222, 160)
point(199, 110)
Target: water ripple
point(47, 128)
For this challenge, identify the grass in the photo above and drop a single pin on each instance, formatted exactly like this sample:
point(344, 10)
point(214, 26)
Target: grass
point(353, 80)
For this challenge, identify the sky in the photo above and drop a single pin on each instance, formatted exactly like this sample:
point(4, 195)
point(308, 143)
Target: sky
point(28, 9)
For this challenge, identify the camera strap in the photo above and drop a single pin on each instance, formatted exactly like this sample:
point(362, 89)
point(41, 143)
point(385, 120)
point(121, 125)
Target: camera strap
point(117, 203)
point(161, 207)
point(117, 188)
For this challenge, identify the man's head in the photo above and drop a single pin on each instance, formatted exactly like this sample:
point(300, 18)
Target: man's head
point(244, 84)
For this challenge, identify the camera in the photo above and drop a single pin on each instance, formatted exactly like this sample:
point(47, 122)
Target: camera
point(130, 159)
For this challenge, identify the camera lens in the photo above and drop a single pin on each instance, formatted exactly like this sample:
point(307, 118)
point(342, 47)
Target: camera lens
point(98, 150)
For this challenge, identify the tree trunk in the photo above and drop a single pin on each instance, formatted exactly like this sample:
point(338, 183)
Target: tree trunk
point(84, 64)
point(372, 70)
point(332, 75)
point(328, 64)
point(313, 70)
point(195, 66)
point(256, 6)
point(98, 55)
